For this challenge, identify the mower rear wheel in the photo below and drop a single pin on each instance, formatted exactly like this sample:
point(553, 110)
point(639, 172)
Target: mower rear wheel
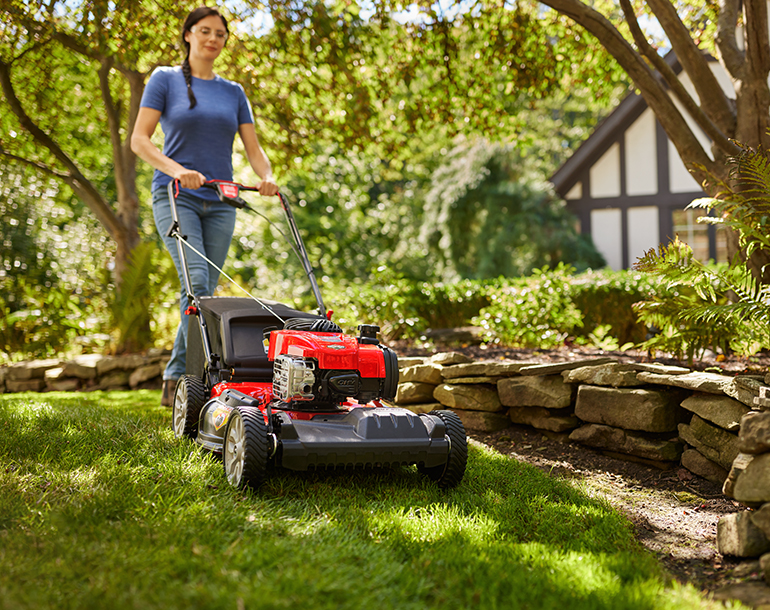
point(450, 474)
point(246, 449)
point(189, 398)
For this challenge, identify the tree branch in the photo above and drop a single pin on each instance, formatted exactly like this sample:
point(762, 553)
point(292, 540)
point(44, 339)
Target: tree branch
point(668, 74)
point(113, 122)
point(757, 42)
point(713, 99)
point(652, 90)
point(80, 184)
point(733, 59)
point(37, 165)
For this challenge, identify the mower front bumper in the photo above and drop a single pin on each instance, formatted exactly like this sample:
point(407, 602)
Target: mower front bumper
point(363, 437)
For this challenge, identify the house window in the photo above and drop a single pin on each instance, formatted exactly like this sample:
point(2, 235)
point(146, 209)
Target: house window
point(696, 235)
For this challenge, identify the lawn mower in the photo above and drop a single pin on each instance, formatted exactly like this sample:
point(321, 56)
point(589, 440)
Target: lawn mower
point(269, 386)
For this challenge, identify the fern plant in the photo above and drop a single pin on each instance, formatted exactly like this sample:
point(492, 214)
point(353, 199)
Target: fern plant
point(716, 306)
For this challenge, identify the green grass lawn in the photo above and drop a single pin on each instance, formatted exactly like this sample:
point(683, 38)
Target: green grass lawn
point(100, 507)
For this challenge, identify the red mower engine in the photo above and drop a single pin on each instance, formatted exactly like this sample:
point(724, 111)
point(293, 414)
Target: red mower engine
point(312, 369)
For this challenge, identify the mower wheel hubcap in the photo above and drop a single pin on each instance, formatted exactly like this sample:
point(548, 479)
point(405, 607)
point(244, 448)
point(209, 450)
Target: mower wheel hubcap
point(234, 453)
point(180, 410)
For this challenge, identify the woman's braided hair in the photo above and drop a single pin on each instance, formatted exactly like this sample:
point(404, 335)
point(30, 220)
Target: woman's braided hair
point(194, 17)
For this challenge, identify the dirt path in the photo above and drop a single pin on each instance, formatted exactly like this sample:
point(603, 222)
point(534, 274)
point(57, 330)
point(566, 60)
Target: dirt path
point(674, 513)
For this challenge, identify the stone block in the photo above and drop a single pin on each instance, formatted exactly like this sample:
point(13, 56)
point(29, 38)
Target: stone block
point(723, 411)
point(424, 408)
point(631, 443)
point(82, 367)
point(34, 369)
point(754, 436)
point(629, 408)
point(761, 518)
point(739, 464)
point(448, 358)
point(738, 536)
point(422, 373)
point(661, 369)
point(715, 443)
point(487, 368)
point(483, 421)
point(114, 380)
point(745, 389)
point(128, 362)
point(144, 373)
point(699, 464)
point(613, 375)
point(710, 383)
point(549, 392)
point(414, 393)
point(27, 385)
point(764, 566)
point(54, 374)
point(468, 397)
point(65, 384)
point(467, 380)
point(752, 594)
point(752, 484)
point(543, 419)
point(405, 362)
point(559, 367)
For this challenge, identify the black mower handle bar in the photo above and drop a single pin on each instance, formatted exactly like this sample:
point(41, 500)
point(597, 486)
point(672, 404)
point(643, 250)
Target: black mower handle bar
point(228, 193)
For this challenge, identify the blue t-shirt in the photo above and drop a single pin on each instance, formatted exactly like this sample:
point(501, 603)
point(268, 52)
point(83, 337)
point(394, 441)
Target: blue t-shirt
point(200, 138)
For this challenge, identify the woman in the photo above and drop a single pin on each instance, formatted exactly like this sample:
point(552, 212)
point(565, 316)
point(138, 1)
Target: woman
point(200, 113)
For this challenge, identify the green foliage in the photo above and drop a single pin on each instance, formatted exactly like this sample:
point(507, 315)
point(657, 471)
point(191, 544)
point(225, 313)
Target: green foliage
point(537, 311)
point(606, 298)
point(483, 221)
point(149, 275)
point(355, 213)
point(406, 308)
point(743, 206)
point(100, 506)
point(552, 305)
point(722, 307)
point(52, 277)
point(695, 312)
point(355, 76)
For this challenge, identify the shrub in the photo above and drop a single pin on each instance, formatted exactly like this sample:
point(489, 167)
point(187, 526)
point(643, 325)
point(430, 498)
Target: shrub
point(606, 299)
point(537, 311)
point(405, 308)
point(543, 310)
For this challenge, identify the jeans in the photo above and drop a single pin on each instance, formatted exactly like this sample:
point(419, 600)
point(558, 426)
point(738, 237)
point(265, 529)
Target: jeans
point(209, 227)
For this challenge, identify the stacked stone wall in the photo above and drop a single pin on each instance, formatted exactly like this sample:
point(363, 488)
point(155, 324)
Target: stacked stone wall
point(83, 373)
point(664, 416)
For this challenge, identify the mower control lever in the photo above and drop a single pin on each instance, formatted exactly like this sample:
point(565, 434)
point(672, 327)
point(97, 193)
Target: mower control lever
point(228, 192)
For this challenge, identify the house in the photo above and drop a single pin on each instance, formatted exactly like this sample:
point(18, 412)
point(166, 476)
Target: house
point(628, 187)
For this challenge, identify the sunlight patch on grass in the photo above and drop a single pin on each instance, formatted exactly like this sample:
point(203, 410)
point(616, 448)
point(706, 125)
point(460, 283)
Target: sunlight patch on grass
point(437, 521)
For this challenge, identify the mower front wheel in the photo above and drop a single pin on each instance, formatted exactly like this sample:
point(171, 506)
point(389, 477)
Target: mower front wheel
point(246, 449)
point(189, 398)
point(450, 474)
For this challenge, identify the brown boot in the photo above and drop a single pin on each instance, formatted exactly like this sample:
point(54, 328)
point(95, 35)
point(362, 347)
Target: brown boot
point(167, 397)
